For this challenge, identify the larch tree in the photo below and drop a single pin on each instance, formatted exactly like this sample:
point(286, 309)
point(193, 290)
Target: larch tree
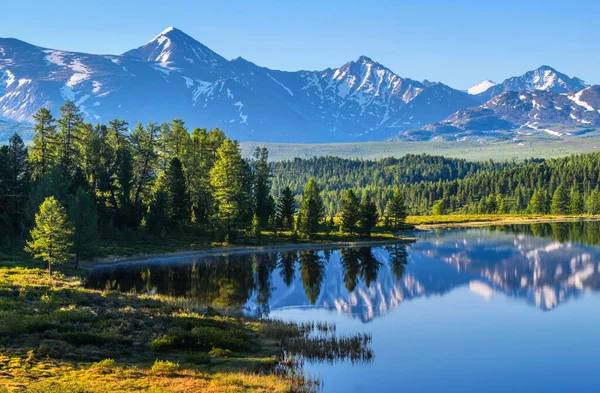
point(227, 180)
point(368, 215)
point(177, 192)
point(51, 236)
point(43, 151)
point(560, 201)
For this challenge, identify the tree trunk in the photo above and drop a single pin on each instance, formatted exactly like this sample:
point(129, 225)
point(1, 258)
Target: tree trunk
point(50, 269)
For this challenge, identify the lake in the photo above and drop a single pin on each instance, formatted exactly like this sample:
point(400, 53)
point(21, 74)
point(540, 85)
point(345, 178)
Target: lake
point(500, 309)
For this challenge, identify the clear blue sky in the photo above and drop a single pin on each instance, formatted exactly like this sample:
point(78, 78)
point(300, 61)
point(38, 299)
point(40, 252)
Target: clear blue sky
point(459, 43)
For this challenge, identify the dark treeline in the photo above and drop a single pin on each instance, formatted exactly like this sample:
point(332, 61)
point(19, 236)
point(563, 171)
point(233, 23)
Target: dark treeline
point(559, 186)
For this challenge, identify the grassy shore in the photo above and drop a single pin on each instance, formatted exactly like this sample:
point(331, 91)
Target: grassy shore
point(471, 220)
point(58, 336)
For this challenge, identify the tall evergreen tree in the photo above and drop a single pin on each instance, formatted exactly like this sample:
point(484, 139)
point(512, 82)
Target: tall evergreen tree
point(69, 137)
point(592, 203)
point(311, 209)
point(43, 151)
point(286, 208)
point(350, 213)
point(396, 209)
point(368, 215)
point(560, 201)
point(264, 205)
point(143, 143)
point(177, 192)
point(575, 202)
point(50, 239)
point(227, 179)
point(539, 203)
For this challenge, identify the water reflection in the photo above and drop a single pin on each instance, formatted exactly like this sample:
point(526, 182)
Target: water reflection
point(542, 264)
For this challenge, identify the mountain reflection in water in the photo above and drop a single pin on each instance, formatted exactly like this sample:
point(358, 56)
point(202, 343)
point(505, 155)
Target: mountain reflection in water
point(542, 264)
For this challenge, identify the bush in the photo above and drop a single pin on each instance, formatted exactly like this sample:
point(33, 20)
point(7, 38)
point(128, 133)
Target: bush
point(220, 353)
point(165, 367)
point(202, 339)
point(104, 365)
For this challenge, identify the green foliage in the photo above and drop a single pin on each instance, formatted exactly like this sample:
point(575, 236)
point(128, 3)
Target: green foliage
point(350, 213)
point(50, 239)
point(368, 215)
point(560, 201)
point(396, 209)
point(165, 367)
point(219, 353)
point(439, 208)
point(540, 202)
point(311, 209)
point(177, 192)
point(45, 142)
point(286, 208)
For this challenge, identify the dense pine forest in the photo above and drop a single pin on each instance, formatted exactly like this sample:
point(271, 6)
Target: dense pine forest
point(438, 185)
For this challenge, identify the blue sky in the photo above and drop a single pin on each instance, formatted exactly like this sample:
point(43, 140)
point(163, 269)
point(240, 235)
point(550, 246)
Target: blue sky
point(459, 43)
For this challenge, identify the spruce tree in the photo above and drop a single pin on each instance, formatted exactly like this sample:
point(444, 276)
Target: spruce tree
point(350, 213)
point(368, 215)
point(560, 201)
point(51, 236)
point(592, 203)
point(311, 209)
point(286, 208)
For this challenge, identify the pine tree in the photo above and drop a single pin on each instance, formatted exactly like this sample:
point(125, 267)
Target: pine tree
point(177, 192)
point(368, 215)
point(311, 209)
point(560, 201)
point(350, 213)
point(576, 202)
point(82, 213)
point(43, 151)
point(396, 209)
point(286, 208)
point(539, 203)
point(592, 203)
point(50, 238)
point(143, 143)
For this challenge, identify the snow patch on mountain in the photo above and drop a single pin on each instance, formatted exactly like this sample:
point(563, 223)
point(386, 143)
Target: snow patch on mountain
point(481, 87)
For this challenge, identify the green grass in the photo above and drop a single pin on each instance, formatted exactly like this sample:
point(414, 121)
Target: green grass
point(57, 336)
point(471, 219)
point(526, 147)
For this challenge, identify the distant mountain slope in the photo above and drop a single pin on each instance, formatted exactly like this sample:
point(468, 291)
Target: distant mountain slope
point(173, 75)
point(519, 113)
point(544, 78)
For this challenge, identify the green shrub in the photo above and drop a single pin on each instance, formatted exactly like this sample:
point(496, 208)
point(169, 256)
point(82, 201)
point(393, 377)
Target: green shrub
point(203, 339)
point(220, 353)
point(104, 365)
point(165, 367)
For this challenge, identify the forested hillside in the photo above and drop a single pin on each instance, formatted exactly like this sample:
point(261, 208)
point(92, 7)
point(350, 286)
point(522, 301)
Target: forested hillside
point(454, 185)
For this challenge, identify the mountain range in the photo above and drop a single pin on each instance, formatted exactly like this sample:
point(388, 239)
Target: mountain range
point(173, 75)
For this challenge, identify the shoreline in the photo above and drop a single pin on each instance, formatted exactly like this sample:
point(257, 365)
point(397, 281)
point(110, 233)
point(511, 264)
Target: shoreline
point(504, 221)
point(241, 250)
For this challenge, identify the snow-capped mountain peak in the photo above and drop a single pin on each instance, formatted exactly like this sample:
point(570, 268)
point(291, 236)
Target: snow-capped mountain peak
point(174, 49)
point(481, 87)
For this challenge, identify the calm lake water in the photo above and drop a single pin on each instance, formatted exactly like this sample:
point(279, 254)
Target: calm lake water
point(501, 309)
